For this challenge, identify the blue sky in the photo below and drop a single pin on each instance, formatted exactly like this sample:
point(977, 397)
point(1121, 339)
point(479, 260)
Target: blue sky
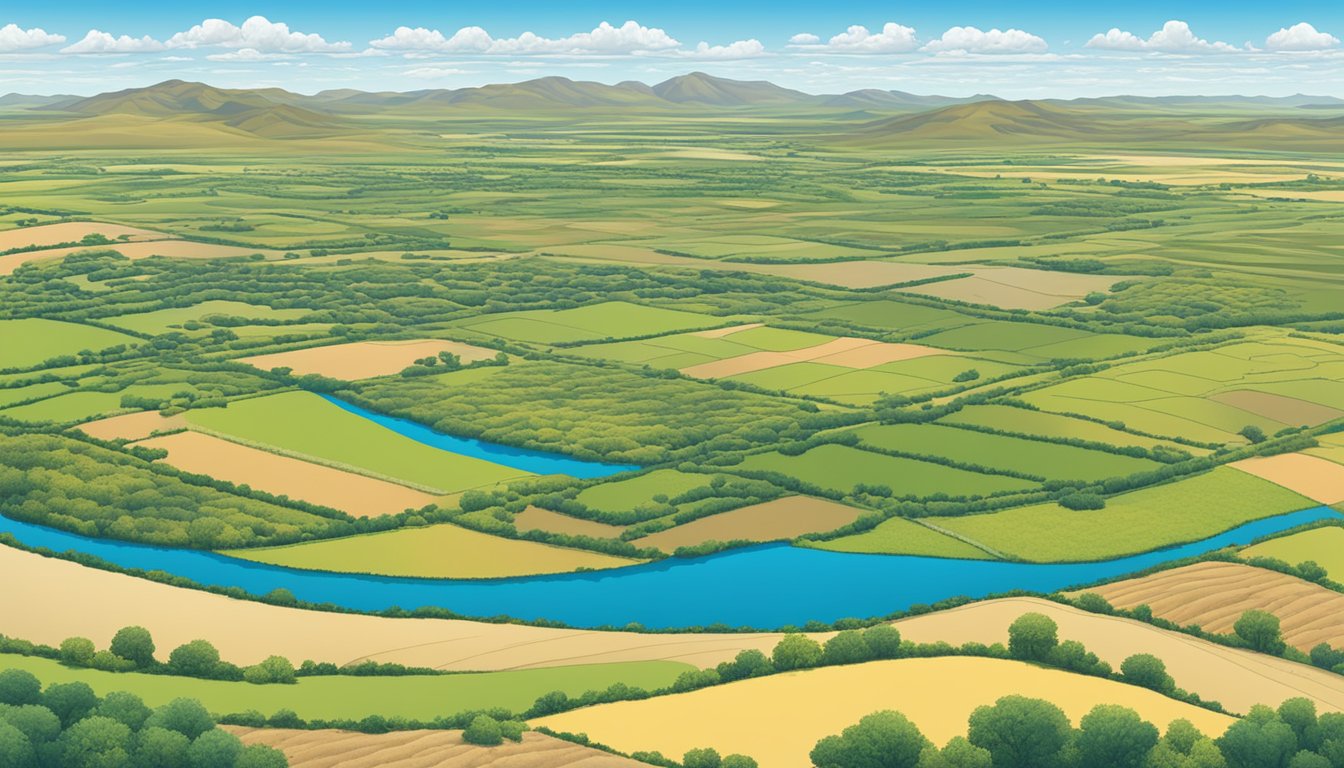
point(1013, 50)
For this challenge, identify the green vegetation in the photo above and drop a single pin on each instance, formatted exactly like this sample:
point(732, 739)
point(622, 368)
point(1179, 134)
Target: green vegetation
point(1323, 546)
point(841, 468)
point(32, 342)
point(899, 536)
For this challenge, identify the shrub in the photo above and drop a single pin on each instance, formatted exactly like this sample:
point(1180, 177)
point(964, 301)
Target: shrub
point(1079, 501)
point(19, 687)
point(881, 740)
point(706, 757)
point(78, 651)
point(883, 640)
point(796, 651)
point(1147, 671)
point(1260, 631)
point(275, 669)
point(134, 644)
point(1019, 732)
point(197, 658)
point(1032, 637)
point(847, 647)
point(484, 731)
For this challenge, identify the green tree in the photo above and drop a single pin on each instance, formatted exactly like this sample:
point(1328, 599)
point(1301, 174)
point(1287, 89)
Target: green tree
point(881, 740)
point(77, 651)
point(95, 742)
point(260, 756)
point(15, 749)
point(275, 669)
point(705, 757)
point(197, 658)
point(125, 708)
point(214, 749)
point(69, 701)
point(1306, 759)
point(1032, 637)
point(186, 716)
point(1074, 656)
point(134, 644)
point(1252, 433)
point(1260, 631)
point(18, 686)
point(796, 651)
point(749, 663)
point(1258, 740)
point(847, 647)
point(738, 761)
point(39, 724)
point(1020, 732)
point(484, 731)
point(1115, 736)
point(1147, 671)
point(1300, 715)
point(883, 640)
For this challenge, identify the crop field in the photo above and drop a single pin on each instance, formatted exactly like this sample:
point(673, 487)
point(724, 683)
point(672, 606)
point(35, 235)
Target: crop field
point(1312, 476)
point(785, 519)
point(1323, 546)
point(841, 467)
point(32, 341)
point(778, 719)
point(1024, 421)
point(899, 536)
point(196, 317)
point(366, 359)
point(1186, 510)
point(616, 319)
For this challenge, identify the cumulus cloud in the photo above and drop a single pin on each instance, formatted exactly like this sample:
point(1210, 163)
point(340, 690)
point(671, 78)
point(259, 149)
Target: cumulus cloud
point(894, 38)
point(15, 38)
point(804, 38)
point(430, 73)
point(975, 40)
point(742, 49)
point(256, 33)
point(97, 41)
point(247, 54)
point(1299, 37)
point(630, 37)
point(1174, 37)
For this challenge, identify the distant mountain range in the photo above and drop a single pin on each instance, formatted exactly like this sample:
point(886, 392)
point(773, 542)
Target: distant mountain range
point(879, 115)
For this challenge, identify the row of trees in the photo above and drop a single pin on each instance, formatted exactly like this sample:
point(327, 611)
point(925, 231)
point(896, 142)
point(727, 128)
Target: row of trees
point(132, 649)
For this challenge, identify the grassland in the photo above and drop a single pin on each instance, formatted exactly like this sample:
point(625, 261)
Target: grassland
point(615, 319)
point(899, 536)
point(197, 316)
point(31, 341)
point(421, 697)
point(840, 468)
point(784, 518)
point(1323, 546)
point(443, 551)
point(1132, 522)
point(778, 719)
point(1031, 423)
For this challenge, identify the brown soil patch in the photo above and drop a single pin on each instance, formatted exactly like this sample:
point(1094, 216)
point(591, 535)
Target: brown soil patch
point(1215, 595)
point(719, 333)
point(71, 232)
point(1285, 410)
point(132, 426)
point(779, 718)
point(1016, 288)
point(366, 359)
point(1316, 478)
point(283, 476)
point(1237, 678)
point(846, 351)
point(783, 518)
point(538, 519)
point(425, 749)
point(177, 249)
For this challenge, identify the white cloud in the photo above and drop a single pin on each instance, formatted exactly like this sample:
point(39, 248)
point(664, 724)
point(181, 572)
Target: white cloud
point(430, 73)
point(1174, 37)
point(97, 41)
point(630, 37)
point(894, 38)
point(15, 38)
point(1299, 37)
point(804, 38)
point(247, 54)
point(742, 49)
point(975, 40)
point(257, 33)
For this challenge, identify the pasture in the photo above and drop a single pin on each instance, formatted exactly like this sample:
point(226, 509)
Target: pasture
point(200, 317)
point(1029, 423)
point(841, 467)
point(1323, 546)
point(784, 518)
point(609, 320)
point(899, 536)
point(32, 341)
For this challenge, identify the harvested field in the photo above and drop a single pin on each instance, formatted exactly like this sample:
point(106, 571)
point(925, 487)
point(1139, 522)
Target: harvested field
point(719, 333)
point(1016, 288)
point(425, 749)
point(72, 232)
point(1323, 546)
point(132, 426)
point(354, 494)
point(845, 274)
point(1237, 678)
point(97, 603)
point(1280, 408)
point(778, 719)
point(365, 359)
point(846, 352)
point(1316, 478)
point(1214, 595)
point(783, 518)
point(538, 519)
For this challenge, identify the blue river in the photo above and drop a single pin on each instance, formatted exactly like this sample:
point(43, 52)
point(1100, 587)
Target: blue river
point(537, 462)
point(765, 586)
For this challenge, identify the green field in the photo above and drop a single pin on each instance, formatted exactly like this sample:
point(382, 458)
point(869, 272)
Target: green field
point(840, 468)
point(623, 495)
point(1025, 421)
point(31, 341)
point(305, 424)
point(899, 536)
point(1324, 546)
point(610, 320)
point(165, 320)
point(1186, 510)
point(340, 697)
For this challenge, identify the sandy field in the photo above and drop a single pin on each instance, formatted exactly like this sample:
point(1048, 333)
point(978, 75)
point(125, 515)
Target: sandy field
point(1323, 195)
point(1286, 410)
point(719, 333)
point(1016, 288)
point(283, 476)
point(177, 249)
point(132, 426)
point(425, 749)
point(848, 274)
point(1214, 595)
point(1316, 478)
point(538, 519)
point(778, 719)
point(71, 232)
point(1237, 678)
point(783, 518)
point(846, 351)
point(365, 359)
point(96, 603)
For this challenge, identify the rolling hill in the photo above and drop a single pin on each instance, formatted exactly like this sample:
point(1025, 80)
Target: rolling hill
point(700, 88)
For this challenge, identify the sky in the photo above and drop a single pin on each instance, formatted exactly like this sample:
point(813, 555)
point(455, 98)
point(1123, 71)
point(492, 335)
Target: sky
point(954, 47)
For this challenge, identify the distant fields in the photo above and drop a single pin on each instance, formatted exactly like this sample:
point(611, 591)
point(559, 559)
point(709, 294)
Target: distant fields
point(31, 341)
point(443, 551)
point(1324, 546)
point(177, 318)
point(899, 536)
point(624, 495)
point(366, 359)
point(615, 319)
point(336, 697)
point(1185, 510)
point(840, 468)
point(783, 518)
point(1042, 424)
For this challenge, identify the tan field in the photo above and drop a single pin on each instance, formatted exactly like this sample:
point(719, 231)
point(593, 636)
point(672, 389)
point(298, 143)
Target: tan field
point(1238, 679)
point(283, 476)
point(176, 249)
point(365, 359)
point(1316, 478)
point(784, 518)
point(849, 274)
point(538, 519)
point(1215, 595)
point(846, 351)
point(96, 603)
point(132, 426)
point(1331, 447)
point(778, 719)
point(1016, 288)
point(719, 333)
point(1323, 195)
point(1287, 410)
point(425, 749)
point(72, 232)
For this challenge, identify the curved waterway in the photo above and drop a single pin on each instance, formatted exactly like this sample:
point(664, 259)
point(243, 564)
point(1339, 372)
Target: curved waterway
point(766, 586)
point(537, 462)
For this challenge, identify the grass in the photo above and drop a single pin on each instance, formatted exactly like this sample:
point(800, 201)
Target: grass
point(31, 341)
point(612, 319)
point(899, 536)
point(444, 551)
point(840, 468)
point(421, 697)
point(1325, 546)
point(165, 320)
point(624, 495)
point(305, 424)
point(1051, 460)
point(1039, 423)
point(1151, 518)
